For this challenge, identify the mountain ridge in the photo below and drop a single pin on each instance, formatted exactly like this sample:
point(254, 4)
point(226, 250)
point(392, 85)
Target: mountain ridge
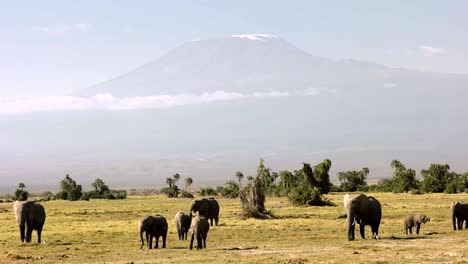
point(248, 63)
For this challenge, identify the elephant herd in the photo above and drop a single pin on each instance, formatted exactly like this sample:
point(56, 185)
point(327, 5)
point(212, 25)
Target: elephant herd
point(366, 210)
point(156, 226)
point(361, 209)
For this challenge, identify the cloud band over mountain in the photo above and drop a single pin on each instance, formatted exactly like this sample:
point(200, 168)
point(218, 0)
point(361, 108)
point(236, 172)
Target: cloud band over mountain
point(109, 102)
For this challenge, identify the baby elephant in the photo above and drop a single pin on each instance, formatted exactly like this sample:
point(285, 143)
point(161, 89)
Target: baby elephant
point(415, 220)
point(153, 226)
point(183, 222)
point(200, 228)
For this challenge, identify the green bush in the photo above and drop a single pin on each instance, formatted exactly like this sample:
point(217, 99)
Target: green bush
point(185, 194)
point(208, 191)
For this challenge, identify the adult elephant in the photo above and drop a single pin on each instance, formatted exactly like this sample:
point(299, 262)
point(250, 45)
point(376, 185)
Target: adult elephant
point(364, 211)
point(208, 208)
point(153, 227)
point(459, 213)
point(29, 216)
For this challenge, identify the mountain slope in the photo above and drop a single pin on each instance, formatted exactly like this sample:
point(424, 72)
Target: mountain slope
point(251, 63)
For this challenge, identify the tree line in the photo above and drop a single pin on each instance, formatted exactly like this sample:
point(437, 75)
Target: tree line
point(71, 191)
point(304, 186)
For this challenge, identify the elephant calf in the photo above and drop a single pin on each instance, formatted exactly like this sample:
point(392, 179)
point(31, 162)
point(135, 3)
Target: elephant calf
point(29, 216)
point(183, 222)
point(459, 214)
point(415, 220)
point(153, 226)
point(200, 228)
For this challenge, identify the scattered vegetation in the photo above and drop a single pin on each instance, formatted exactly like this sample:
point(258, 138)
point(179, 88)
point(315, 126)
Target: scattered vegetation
point(69, 190)
point(21, 194)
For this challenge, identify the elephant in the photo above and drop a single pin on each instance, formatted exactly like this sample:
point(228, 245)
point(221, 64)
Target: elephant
point(29, 216)
point(183, 222)
point(364, 211)
point(206, 207)
point(415, 220)
point(200, 228)
point(459, 213)
point(153, 226)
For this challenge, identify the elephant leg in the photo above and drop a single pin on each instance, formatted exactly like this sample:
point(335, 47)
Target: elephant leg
point(22, 232)
point(418, 226)
point(157, 242)
point(460, 224)
point(28, 234)
point(362, 227)
point(216, 220)
point(466, 223)
point(199, 243)
point(179, 233)
point(374, 230)
point(39, 232)
point(211, 221)
point(204, 241)
point(151, 241)
point(164, 241)
point(191, 241)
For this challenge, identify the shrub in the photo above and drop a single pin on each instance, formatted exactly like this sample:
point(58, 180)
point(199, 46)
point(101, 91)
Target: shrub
point(185, 194)
point(171, 192)
point(208, 191)
point(301, 195)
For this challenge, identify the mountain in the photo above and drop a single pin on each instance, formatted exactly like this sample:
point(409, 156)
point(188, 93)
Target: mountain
point(253, 63)
point(357, 114)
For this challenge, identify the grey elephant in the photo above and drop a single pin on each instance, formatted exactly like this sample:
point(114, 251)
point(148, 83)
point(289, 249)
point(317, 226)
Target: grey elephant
point(364, 211)
point(459, 214)
point(415, 220)
point(153, 227)
point(29, 216)
point(200, 228)
point(206, 207)
point(183, 222)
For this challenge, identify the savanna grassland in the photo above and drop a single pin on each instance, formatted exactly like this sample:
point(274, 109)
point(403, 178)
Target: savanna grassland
point(106, 231)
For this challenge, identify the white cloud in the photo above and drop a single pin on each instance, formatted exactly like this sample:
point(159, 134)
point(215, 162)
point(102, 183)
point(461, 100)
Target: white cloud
point(82, 27)
point(61, 29)
point(53, 29)
point(429, 51)
point(109, 102)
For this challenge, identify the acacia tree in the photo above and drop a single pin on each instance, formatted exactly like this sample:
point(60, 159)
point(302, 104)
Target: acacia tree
point(69, 190)
point(314, 182)
point(100, 188)
point(173, 190)
point(403, 179)
point(239, 177)
point(188, 182)
point(435, 178)
point(21, 194)
point(352, 180)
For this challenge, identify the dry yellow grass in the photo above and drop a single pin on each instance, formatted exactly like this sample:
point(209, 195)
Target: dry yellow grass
point(101, 231)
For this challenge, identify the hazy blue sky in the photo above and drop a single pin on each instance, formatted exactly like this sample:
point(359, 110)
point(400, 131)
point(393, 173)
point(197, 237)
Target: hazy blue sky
point(53, 47)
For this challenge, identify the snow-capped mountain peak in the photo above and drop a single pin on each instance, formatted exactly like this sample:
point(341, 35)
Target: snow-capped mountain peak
point(260, 37)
